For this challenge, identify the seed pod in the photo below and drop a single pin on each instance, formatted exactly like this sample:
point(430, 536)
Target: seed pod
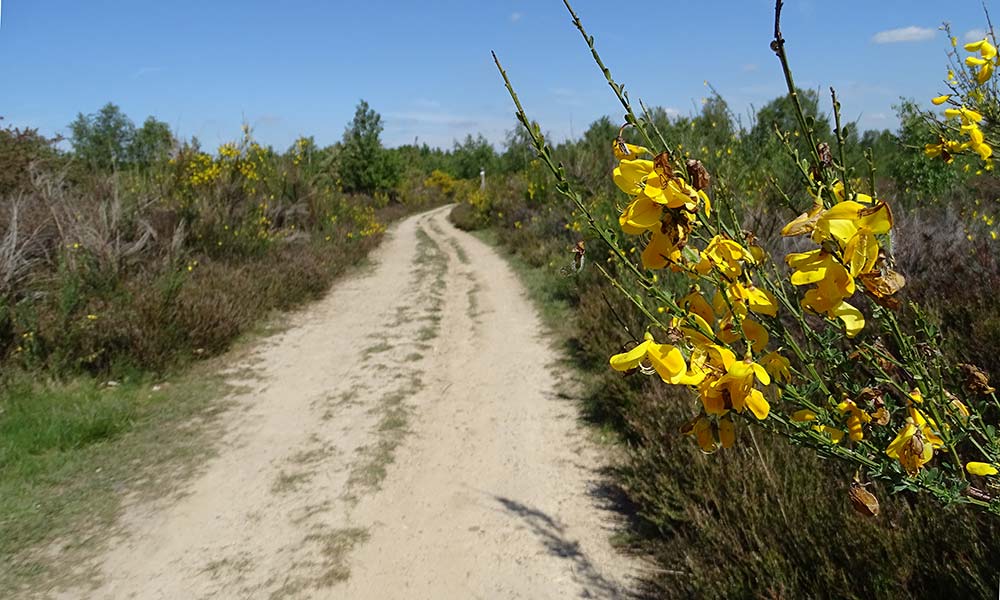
point(975, 380)
point(661, 164)
point(885, 364)
point(674, 335)
point(700, 179)
point(862, 500)
point(825, 156)
point(977, 493)
point(578, 251)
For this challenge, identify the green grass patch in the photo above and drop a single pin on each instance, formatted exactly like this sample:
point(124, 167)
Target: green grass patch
point(70, 450)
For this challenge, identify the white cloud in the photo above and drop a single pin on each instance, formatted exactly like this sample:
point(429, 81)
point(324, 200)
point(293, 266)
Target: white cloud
point(904, 34)
point(515, 17)
point(440, 129)
point(974, 35)
point(749, 67)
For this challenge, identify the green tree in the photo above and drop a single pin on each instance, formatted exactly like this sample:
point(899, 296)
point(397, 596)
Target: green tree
point(921, 179)
point(151, 143)
point(102, 140)
point(364, 165)
point(781, 111)
point(19, 150)
point(518, 151)
point(472, 155)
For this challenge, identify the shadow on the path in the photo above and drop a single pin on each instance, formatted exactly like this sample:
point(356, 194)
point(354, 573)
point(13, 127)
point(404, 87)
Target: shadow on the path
point(553, 535)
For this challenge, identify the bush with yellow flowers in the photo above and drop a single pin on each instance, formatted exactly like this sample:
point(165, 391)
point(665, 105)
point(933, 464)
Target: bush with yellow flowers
point(967, 125)
point(814, 344)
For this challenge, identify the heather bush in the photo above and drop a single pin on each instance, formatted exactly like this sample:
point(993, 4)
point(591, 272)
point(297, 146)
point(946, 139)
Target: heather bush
point(138, 252)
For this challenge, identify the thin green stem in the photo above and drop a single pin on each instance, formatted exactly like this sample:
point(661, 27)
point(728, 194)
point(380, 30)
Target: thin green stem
point(778, 46)
point(618, 88)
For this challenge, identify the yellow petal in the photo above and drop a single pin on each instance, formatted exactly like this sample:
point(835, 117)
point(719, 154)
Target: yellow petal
point(721, 356)
point(861, 253)
point(974, 46)
point(640, 215)
point(940, 100)
point(980, 468)
point(695, 303)
point(758, 404)
point(626, 151)
point(703, 433)
point(901, 438)
point(988, 50)
point(854, 426)
point(629, 175)
point(659, 252)
point(727, 432)
point(627, 361)
point(836, 435)
point(667, 360)
point(804, 415)
point(708, 202)
point(697, 332)
point(984, 73)
point(811, 267)
point(853, 320)
point(970, 116)
point(678, 193)
point(761, 301)
point(757, 335)
point(777, 366)
point(975, 135)
point(762, 375)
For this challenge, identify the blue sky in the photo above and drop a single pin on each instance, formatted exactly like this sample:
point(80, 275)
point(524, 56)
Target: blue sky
point(298, 67)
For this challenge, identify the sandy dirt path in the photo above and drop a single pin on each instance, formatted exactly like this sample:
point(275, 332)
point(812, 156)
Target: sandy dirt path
point(404, 438)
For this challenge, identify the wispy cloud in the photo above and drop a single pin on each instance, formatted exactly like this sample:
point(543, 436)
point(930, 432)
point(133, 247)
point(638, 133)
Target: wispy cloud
point(143, 71)
point(904, 34)
point(974, 35)
point(515, 17)
point(749, 67)
point(441, 129)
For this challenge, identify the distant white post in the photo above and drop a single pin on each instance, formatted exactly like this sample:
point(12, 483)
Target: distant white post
point(482, 178)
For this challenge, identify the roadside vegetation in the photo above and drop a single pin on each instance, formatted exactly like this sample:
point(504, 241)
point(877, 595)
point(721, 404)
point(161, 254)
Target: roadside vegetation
point(128, 260)
point(765, 517)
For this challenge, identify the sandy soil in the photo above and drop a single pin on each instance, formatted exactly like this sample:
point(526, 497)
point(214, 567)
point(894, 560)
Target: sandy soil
point(406, 437)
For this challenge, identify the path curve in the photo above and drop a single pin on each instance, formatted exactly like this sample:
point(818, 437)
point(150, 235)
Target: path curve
point(404, 438)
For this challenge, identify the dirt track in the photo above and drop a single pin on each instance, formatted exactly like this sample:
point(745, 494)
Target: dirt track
point(404, 438)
